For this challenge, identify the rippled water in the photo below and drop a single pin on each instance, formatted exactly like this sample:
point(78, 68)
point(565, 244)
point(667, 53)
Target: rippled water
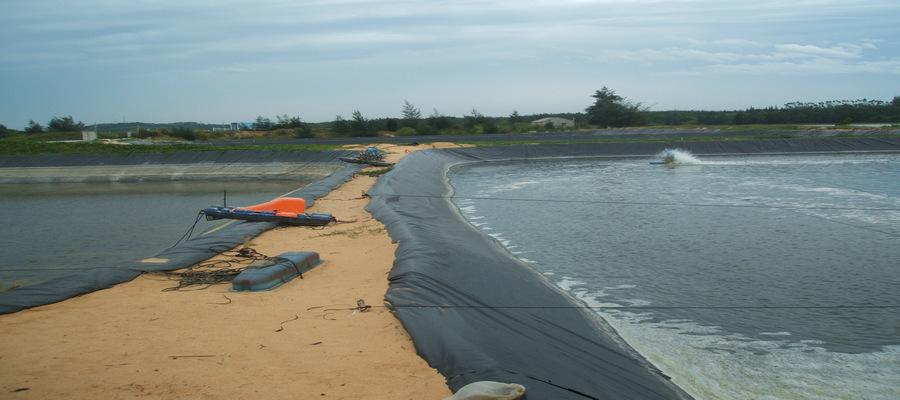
point(50, 229)
point(753, 277)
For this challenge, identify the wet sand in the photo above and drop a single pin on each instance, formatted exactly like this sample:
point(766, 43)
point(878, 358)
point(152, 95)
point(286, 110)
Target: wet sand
point(299, 341)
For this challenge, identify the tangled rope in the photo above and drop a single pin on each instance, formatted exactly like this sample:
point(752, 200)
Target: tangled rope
point(213, 272)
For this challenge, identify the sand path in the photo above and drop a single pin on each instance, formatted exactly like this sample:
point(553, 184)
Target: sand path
point(134, 340)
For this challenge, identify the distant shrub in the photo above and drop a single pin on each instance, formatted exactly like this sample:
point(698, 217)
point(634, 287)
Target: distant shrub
point(376, 172)
point(489, 127)
point(406, 131)
point(392, 124)
point(304, 132)
point(33, 127)
point(146, 133)
point(64, 124)
point(183, 133)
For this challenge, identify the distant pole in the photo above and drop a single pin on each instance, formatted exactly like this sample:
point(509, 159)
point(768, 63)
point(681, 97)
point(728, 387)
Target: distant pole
point(225, 198)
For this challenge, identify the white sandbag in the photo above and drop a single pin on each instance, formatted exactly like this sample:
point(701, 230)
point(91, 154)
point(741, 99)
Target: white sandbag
point(487, 390)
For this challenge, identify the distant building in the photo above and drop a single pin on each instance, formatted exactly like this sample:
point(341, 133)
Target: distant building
point(88, 136)
point(241, 126)
point(556, 121)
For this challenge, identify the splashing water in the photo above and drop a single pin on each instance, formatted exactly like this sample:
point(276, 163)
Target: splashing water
point(678, 156)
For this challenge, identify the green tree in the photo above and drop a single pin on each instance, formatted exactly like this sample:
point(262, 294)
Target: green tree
point(64, 124)
point(33, 127)
point(439, 121)
point(340, 125)
point(610, 109)
point(263, 124)
point(304, 131)
point(514, 117)
point(471, 121)
point(391, 124)
point(359, 124)
point(488, 126)
point(287, 122)
point(896, 101)
point(411, 114)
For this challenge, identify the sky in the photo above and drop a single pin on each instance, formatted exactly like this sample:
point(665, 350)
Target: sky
point(219, 61)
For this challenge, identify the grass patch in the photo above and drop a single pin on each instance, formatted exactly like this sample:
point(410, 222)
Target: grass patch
point(354, 233)
point(375, 172)
point(747, 127)
point(670, 139)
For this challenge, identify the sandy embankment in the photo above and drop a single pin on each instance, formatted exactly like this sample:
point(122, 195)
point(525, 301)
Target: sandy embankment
point(134, 340)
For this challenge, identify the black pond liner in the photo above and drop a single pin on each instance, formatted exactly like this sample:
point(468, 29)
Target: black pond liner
point(186, 253)
point(489, 331)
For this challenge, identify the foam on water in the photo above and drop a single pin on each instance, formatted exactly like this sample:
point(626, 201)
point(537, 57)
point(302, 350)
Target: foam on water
point(765, 160)
point(513, 186)
point(704, 361)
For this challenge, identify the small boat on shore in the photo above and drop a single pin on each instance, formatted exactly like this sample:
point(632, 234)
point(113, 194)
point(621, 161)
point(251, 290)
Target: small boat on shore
point(283, 210)
point(370, 162)
point(371, 156)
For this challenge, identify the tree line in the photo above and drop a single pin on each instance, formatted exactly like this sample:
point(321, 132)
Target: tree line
point(608, 109)
point(56, 124)
point(411, 122)
point(839, 112)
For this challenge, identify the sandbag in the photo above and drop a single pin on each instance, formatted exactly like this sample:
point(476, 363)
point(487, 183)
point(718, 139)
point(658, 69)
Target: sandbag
point(489, 390)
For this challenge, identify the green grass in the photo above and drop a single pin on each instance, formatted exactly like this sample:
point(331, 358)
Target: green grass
point(711, 138)
point(375, 172)
point(748, 127)
point(20, 144)
point(885, 134)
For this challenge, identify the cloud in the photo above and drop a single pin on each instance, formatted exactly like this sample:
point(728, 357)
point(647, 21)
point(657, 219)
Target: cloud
point(759, 58)
point(401, 46)
point(808, 50)
point(812, 66)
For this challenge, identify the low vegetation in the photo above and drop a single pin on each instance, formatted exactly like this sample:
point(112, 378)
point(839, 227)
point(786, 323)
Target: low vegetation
point(608, 109)
point(375, 172)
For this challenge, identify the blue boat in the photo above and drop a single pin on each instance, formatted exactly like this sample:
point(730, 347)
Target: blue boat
point(301, 219)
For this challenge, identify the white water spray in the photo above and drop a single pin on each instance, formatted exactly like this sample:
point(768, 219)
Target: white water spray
point(678, 156)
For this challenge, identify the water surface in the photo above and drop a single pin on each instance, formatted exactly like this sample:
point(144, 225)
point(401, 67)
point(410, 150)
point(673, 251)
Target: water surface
point(749, 277)
point(52, 229)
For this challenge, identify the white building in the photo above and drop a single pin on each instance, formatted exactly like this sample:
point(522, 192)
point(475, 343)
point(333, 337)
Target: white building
point(557, 122)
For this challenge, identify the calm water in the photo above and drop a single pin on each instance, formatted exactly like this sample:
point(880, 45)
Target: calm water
point(709, 244)
point(48, 227)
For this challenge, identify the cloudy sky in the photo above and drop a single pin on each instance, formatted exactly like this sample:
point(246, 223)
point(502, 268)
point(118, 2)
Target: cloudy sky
point(223, 60)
